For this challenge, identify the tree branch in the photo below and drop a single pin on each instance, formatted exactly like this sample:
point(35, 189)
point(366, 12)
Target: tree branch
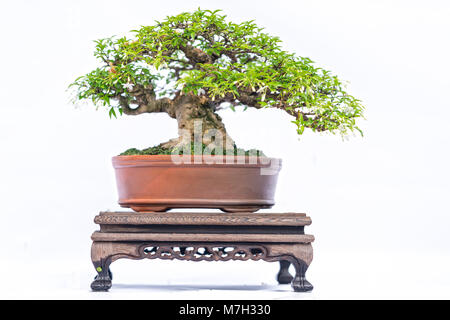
point(196, 55)
point(153, 106)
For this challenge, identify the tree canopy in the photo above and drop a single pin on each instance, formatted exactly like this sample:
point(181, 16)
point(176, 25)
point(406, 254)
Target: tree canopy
point(226, 64)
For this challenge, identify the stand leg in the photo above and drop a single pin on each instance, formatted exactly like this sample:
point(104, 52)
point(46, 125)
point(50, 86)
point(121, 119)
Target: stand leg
point(102, 281)
point(284, 277)
point(101, 260)
point(299, 283)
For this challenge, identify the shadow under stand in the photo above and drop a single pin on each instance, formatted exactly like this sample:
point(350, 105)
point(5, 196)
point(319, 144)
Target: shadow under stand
point(203, 237)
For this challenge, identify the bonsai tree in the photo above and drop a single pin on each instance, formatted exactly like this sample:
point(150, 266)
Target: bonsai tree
point(192, 65)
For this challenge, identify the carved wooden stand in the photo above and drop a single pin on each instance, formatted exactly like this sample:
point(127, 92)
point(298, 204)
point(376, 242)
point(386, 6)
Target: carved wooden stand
point(203, 237)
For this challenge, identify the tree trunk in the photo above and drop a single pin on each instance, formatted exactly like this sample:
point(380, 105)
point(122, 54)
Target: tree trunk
point(198, 123)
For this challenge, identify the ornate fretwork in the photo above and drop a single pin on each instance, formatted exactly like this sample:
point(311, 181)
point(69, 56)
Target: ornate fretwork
point(203, 253)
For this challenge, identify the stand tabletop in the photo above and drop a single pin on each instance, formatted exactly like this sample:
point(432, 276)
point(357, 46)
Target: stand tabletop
point(203, 218)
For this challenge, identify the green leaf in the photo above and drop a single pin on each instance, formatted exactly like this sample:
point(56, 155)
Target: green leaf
point(112, 112)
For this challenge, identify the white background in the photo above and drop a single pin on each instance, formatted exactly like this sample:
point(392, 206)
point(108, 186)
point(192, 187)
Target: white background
point(379, 204)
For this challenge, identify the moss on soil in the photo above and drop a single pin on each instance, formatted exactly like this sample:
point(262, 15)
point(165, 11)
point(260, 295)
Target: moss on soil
point(158, 150)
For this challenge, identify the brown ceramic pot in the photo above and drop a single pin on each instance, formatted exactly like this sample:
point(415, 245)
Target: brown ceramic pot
point(230, 183)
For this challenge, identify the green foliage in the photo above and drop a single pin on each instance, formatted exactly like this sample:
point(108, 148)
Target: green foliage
point(236, 63)
point(158, 150)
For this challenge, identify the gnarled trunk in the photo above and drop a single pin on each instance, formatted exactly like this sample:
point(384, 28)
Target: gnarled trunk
point(199, 123)
point(197, 120)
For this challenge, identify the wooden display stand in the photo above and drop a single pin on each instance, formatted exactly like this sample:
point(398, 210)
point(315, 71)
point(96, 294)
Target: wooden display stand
point(203, 237)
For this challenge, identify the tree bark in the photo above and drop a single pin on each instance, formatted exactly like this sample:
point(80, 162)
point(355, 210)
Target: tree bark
point(198, 122)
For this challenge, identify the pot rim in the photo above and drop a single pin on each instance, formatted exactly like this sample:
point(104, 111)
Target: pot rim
point(196, 160)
